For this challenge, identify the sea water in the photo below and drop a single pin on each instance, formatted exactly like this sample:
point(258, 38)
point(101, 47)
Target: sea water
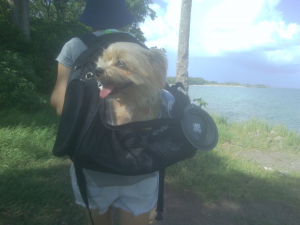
point(277, 106)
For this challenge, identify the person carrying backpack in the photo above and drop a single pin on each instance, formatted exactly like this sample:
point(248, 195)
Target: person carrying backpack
point(133, 196)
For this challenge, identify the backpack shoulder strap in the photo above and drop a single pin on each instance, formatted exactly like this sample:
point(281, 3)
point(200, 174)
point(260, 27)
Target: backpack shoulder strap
point(160, 200)
point(81, 182)
point(88, 39)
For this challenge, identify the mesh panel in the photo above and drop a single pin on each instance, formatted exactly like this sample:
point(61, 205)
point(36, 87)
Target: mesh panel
point(112, 153)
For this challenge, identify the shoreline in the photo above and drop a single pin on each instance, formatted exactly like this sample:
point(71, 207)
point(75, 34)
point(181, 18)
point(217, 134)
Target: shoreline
point(227, 85)
point(217, 85)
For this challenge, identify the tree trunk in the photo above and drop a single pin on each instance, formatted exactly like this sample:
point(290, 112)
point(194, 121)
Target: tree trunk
point(20, 15)
point(15, 11)
point(183, 43)
point(25, 18)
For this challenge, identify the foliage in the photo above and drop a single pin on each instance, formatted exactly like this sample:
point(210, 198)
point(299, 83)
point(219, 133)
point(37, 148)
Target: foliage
point(52, 24)
point(5, 14)
point(212, 82)
point(70, 10)
point(195, 81)
point(48, 37)
point(12, 39)
point(191, 80)
point(52, 10)
point(162, 49)
point(200, 102)
point(231, 83)
point(257, 86)
point(171, 80)
point(139, 9)
point(201, 81)
point(18, 83)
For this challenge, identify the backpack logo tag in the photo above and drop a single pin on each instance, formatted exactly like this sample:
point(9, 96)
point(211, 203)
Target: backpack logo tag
point(197, 128)
point(160, 130)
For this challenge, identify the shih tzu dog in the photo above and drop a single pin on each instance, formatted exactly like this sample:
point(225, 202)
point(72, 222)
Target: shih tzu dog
point(132, 79)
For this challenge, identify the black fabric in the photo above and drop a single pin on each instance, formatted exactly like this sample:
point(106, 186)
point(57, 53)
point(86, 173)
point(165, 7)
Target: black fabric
point(181, 96)
point(88, 39)
point(139, 125)
point(81, 182)
point(89, 144)
point(83, 136)
point(160, 201)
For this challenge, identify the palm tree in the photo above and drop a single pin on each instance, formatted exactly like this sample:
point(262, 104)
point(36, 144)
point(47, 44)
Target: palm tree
point(183, 43)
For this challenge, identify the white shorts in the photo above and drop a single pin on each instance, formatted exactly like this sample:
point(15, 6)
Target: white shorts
point(137, 199)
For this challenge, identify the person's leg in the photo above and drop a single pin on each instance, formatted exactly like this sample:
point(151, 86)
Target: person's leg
point(152, 215)
point(103, 219)
point(126, 218)
point(136, 201)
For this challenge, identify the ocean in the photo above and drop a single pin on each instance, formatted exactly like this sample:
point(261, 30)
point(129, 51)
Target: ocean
point(277, 106)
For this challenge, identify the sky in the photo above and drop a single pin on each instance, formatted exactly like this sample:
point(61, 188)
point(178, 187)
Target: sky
point(246, 41)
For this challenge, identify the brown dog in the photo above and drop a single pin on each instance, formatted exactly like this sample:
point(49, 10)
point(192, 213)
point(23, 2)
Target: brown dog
point(132, 79)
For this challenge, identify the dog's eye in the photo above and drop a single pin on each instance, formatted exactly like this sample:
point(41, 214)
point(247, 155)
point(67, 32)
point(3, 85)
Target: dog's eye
point(120, 63)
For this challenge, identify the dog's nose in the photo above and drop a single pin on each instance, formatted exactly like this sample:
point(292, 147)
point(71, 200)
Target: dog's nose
point(99, 71)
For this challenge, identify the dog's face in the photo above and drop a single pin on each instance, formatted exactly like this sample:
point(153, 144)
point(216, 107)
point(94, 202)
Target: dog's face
point(132, 70)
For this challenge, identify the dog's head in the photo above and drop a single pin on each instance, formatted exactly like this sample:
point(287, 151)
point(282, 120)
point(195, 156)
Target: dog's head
point(131, 70)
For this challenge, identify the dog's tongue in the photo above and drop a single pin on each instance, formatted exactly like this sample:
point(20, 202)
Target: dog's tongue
point(106, 90)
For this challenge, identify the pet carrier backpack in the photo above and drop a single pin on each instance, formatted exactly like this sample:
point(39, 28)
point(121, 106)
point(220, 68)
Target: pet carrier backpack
point(131, 149)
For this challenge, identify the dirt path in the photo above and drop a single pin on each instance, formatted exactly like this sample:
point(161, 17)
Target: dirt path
point(274, 161)
point(186, 209)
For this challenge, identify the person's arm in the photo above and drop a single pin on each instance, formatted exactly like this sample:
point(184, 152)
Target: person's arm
point(58, 94)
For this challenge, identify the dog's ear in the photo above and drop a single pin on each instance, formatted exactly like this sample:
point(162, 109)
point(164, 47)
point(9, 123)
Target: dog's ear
point(159, 59)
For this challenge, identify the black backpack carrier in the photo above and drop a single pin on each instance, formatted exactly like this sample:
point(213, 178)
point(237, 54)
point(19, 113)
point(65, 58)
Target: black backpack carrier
point(92, 144)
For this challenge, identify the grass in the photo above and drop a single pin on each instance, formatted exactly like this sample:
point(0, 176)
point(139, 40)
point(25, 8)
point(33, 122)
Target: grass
point(35, 186)
point(223, 172)
point(258, 134)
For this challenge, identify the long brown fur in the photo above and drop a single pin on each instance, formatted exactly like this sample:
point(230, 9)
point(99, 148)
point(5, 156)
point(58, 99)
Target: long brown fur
point(123, 63)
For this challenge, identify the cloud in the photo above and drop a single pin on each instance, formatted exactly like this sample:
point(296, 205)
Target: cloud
point(163, 31)
point(284, 56)
point(245, 67)
point(222, 26)
point(246, 41)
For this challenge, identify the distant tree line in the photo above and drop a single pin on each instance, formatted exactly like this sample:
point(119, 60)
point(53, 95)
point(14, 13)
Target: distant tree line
point(201, 81)
point(257, 86)
point(191, 80)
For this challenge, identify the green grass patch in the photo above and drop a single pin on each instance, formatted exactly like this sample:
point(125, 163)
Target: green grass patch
point(258, 134)
point(35, 186)
point(222, 172)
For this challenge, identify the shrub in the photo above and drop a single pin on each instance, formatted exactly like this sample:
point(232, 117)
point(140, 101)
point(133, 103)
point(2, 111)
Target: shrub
point(46, 41)
point(12, 39)
point(18, 83)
